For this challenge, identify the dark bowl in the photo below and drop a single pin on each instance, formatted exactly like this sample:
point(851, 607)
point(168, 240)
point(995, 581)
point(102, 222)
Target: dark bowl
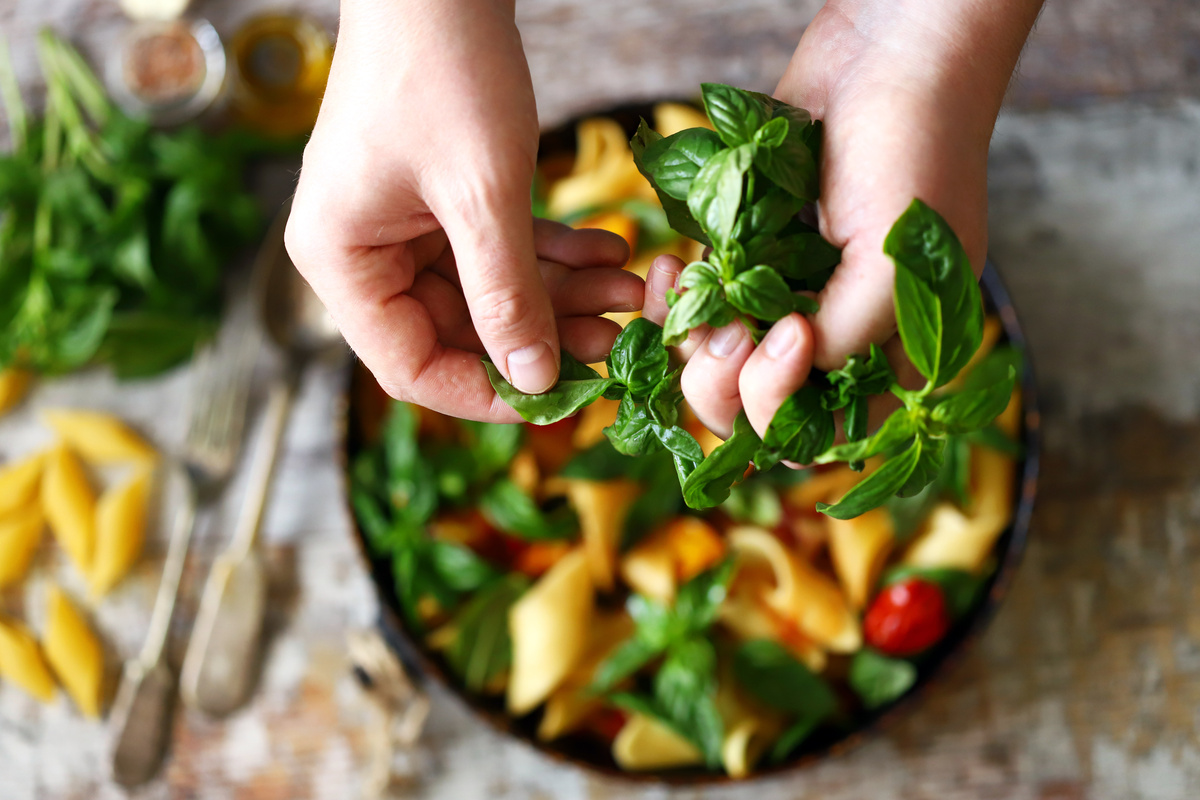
point(365, 407)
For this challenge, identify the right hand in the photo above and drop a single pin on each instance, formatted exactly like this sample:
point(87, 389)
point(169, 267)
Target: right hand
point(412, 217)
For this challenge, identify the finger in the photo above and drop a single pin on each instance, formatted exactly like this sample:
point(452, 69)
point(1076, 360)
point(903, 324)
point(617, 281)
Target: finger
point(589, 292)
point(779, 366)
point(710, 379)
point(579, 249)
point(490, 227)
point(664, 275)
point(589, 339)
point(447, 310)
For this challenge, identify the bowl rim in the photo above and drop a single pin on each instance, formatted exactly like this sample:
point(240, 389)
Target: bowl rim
point(423, 665)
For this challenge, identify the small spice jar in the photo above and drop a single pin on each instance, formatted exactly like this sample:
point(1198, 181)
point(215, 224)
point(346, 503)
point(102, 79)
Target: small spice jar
point(168, 70)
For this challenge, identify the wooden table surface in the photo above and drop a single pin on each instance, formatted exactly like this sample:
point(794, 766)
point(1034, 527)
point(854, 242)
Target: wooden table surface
point(1088, 683)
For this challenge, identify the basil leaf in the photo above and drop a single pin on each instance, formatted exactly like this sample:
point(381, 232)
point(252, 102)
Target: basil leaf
point(694, 308)
point(955, 478)
point(855, 423)
point(459, 567)
point(896, 429)
point(372, 520)
point(908, 513)
point(874, 489)
point(666, 398)
point(790, 165)
point(699, 275)
point(482, 646)
point(698, 600)
point(404, 574)
point(877, 679)
point(679, 442)
point(708, 485)
point(800, 431)
point(792, 737)
point(639, 358)
point(492, 445)
point(960, 588)
point(685, 689)
point(627, 659)
point(773, 675)
point(772, 133)
point(514, 512)
point(995, 366)
point(716, 193)
point(578, 385)
point(797, 256)
point(675, 161)
point(632, 432)
point(600, 462)
point(677, 212)
point(975, 408)
point(760, 293)
point(993, 438)
point(862, 375)
point(939, 310)
point(765, 217)
point(735, 113)
point(756, 502)
point(928, 466)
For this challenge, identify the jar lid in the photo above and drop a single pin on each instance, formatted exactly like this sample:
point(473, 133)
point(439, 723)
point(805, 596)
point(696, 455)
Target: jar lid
point(170, 71)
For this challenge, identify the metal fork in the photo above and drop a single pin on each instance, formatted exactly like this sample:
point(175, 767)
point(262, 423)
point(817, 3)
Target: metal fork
point(145, 700)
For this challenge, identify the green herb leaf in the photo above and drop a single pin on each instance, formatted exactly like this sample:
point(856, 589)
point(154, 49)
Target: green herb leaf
point(677, 212)
point(685, 691)
point(761, 293)
point(514, 512)
point(699, 275)
point(792, 737)
point(773, 675)
point(790, 165)
point(600, 462)
point(800, 430)
point(878, 680)
point(639, 358)
point(896, 429)
point(974, 408)
point(699, 599)
point(993, 438)
point(709, 484)
point(628, 658)
point(675, 161)
point(578, 385)
point(861, 376)
point(459, 567)
point(772, 134)
point(666, 398)
point(735, 114)
point(754, 501)
point(874, 489)
point(716, 193)
point(482, 647)
point(939, 310)
point(694, 308)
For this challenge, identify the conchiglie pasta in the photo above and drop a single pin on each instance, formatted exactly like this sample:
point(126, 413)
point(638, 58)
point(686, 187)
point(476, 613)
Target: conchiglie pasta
point(99, 438)
point(645, 744)
point(22, 662)
point(74, 653)
point(604, 171)
point(20, 534)
point(120, 531)
point(19, 483)
point(859, 547)
point(747, 615)
point(14, 383)
point(549, 627)
point(602, 506)
point(70, 506)
point(571, 704)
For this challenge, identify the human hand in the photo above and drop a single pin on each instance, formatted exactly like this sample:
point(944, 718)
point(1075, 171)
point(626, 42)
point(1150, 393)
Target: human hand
point(412, 218)
point(908, 94)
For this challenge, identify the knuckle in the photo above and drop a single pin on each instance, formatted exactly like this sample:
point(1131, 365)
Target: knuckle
point(503, 311)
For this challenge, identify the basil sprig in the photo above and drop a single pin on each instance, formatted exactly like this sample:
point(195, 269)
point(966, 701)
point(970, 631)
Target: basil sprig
point(739, 188)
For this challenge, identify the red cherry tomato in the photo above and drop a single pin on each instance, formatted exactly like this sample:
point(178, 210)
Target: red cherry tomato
point(907, 617)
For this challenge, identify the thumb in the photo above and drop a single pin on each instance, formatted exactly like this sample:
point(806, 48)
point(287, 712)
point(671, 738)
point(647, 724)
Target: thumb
point(491, 234)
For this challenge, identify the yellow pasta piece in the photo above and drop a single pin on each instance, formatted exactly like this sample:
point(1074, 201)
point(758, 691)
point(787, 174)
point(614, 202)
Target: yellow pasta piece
point(592, 422)
point(749, 726)
point(14, 383)
point(745, 614)
point(74, 654)
point(19, 483)
point(549, 627)
point(70, 506)
point(120, 531)
point(859, 547)
point(604, 171)
point(602, 506)
point(671, 118)
point(821, 487)
point(21, 661)
point(571, 704)
point(524, 471)
point(99, 438)
point(19, 537)
point(644, 744)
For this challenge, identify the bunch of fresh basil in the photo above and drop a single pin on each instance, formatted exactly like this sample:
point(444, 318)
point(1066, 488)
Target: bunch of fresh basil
point(740, 189)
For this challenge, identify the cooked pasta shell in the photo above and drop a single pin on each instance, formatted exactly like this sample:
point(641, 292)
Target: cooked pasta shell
point(99, 438)
point(14, 383)
point(644, 744)
point(70, 506)
point(120, 531)
point(74, 653)
point(602, 506)
point(592, 422)
point(571, 704)
point(604, 171)
point(19, 483)
point(859, 547)
point(549, 627)
point(22, 662)
point(19, 537)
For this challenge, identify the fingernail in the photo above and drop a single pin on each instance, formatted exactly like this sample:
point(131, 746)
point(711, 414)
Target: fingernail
point(780, 339)
point(531, 369)
point(661, 280)
point(725, 340)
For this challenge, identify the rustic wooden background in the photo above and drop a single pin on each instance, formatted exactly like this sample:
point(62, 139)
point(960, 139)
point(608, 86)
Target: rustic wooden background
point(1086, 686)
